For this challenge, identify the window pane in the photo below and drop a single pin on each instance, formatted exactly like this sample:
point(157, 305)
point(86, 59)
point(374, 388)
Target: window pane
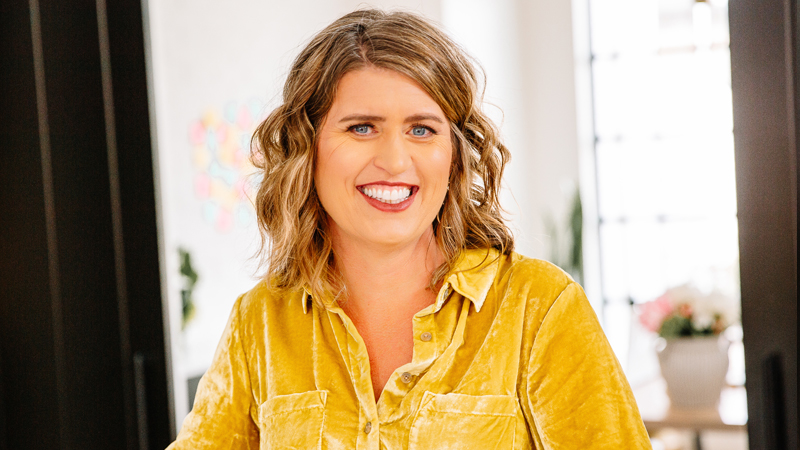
point(645, 251)
point(674, 178)
point(614, 263)
point(650, 26)
point(676, 30)
point(706, 252)
point(642, 258)
point(667, 95)
point(626, 26)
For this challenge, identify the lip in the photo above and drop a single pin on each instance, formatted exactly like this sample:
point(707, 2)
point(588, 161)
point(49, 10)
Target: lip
point(386, 183)
point(389, 207)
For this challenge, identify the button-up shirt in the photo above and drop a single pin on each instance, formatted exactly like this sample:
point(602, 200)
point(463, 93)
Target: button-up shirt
point(510, 356)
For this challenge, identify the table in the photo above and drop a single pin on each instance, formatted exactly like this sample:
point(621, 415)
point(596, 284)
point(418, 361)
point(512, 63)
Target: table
point(657, 413)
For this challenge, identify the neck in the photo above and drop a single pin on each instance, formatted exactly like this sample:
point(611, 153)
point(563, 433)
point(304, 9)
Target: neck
point(381, 279)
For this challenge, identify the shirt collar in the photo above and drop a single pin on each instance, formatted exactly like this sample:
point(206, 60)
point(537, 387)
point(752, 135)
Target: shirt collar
point(471, 276)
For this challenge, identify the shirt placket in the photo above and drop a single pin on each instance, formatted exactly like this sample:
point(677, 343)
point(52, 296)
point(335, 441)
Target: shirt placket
point(405, 378)
point(368, 436)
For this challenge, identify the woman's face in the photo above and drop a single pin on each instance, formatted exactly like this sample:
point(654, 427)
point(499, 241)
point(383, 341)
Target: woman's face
point(383, 159)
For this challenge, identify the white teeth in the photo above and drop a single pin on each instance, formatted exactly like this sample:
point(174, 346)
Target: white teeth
point(390, 196)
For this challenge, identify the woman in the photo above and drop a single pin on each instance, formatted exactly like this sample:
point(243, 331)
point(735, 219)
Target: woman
point(394, 313)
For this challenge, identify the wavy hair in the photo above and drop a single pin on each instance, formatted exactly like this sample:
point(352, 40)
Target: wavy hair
point(295, 245)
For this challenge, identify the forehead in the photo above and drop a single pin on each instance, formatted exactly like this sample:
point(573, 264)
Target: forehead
point(372, 88)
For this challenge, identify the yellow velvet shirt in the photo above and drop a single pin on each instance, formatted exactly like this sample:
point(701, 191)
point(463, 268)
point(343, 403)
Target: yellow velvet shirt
point(511, 356)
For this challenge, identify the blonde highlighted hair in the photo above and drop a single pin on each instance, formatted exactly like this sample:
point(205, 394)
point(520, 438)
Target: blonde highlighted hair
point(296, 247)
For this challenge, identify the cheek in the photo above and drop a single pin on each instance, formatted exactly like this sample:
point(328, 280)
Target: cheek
point(336, 168)
point(441, 162)
point(324, 184)
point(323, 176)
point(328, 163)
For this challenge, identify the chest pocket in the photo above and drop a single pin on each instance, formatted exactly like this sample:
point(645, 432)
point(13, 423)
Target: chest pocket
point(458, 421)
point(292, 421)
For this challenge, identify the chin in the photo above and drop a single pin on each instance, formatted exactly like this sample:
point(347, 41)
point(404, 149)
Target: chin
point(393, 238)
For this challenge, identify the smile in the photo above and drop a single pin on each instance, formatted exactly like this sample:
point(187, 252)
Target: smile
point(387, 194)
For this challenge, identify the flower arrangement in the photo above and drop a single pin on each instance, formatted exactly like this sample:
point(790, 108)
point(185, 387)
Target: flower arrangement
point(685, 311)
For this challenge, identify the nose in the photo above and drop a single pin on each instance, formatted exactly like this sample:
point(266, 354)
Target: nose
point(392, 155)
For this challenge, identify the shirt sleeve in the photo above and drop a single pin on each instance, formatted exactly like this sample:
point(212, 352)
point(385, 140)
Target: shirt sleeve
point(221, 417)
point(578, 395)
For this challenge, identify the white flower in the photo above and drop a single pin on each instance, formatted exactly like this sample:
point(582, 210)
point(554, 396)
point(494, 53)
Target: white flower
point(702, 320)
point(704, 308)
point(684, 294)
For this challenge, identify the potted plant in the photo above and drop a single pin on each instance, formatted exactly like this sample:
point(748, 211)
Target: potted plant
point(692, 351)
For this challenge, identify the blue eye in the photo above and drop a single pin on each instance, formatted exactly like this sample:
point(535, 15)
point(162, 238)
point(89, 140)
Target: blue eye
point(421, 131)
point(360, 129)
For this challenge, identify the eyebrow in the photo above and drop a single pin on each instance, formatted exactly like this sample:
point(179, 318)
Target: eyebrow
point(412, 118)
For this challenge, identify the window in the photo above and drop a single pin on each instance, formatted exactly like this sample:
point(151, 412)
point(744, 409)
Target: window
point(664, 159)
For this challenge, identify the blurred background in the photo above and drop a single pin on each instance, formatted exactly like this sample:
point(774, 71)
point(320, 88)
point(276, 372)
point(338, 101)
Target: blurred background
point(620, 118)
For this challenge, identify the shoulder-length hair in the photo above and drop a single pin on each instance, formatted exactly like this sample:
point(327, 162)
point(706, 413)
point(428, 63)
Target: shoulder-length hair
point(296, 246)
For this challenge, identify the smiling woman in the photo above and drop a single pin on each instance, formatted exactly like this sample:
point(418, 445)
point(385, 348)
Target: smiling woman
point(393, 312)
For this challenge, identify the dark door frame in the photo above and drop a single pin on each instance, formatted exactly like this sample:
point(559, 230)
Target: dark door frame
point(764, 75)
point(82, 338)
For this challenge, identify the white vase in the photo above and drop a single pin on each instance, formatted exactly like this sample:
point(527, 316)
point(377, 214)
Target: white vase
point(694, 369)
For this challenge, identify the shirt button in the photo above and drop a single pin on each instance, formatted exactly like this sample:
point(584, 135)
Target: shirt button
point(426, 336)
point(406, 377)
point(368, 427)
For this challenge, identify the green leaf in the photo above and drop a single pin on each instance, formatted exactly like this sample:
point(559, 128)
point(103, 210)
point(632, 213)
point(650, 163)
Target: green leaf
point(675, 326)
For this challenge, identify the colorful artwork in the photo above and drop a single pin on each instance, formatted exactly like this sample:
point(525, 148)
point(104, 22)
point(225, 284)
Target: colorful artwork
point(224, 176)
